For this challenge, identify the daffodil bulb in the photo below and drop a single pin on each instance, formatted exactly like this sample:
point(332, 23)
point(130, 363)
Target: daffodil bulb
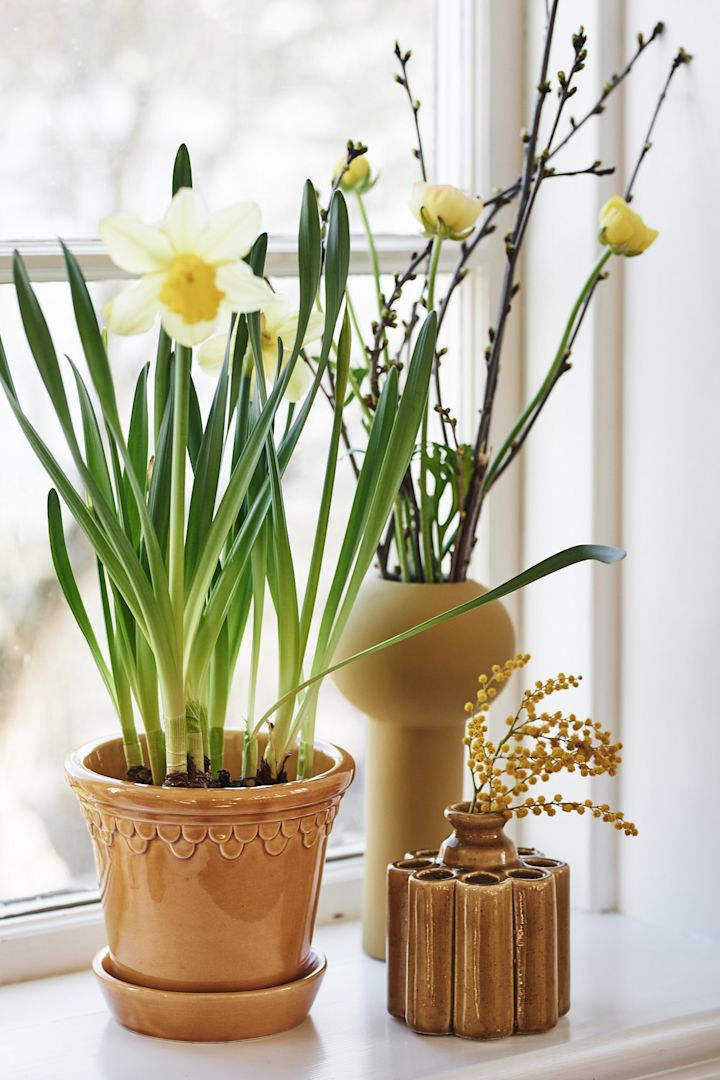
point(357, 176)
point(444, 210)
point(624, 231)
point(190, 267)
point(278, 321)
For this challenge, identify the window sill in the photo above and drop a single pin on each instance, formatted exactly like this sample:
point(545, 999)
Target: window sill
point(646, 1003)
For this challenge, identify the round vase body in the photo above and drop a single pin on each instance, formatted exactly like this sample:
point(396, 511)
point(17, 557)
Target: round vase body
point(208, 890)
point(413, 694)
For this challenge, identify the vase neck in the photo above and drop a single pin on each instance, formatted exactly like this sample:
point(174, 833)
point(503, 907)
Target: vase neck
point(478, 841)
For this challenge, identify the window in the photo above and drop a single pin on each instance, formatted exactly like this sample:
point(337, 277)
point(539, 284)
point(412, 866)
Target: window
point(263, 100)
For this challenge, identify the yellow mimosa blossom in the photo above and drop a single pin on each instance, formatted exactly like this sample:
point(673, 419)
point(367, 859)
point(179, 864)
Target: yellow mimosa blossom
point(622, 230)
point(536, 746)
point(444, 210)
point(357, 175)
point(190, 266)
point(277, 321)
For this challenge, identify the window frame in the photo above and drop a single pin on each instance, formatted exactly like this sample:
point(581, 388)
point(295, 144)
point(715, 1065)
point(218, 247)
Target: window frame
point(474, 110)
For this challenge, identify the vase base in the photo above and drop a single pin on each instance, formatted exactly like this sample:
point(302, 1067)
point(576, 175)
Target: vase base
point(209, 1017)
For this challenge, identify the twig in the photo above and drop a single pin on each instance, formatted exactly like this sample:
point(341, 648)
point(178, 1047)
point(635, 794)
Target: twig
point(681, 58)
point(466, 531)
point(612, 84)
point(403, 81)
point(388, 320)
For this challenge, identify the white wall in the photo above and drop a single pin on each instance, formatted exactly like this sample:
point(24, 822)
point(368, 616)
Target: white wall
point(628, 453)
point(671, 510)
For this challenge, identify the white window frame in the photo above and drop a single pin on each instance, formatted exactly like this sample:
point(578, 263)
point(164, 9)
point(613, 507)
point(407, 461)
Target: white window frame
point(475, 109)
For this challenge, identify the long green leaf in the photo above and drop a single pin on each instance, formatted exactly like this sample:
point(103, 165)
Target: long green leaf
point(98, 364)
point(395, 461)
point(94, 450)
point(567, 557)
point(66, 578)
point(229, 507)
point(138, 437)
point(321, 529)
point(207, 473)
point(42, 349)
point(117, 556)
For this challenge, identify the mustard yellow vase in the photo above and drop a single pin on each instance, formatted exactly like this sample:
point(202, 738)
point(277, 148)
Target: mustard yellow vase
point(413, 695)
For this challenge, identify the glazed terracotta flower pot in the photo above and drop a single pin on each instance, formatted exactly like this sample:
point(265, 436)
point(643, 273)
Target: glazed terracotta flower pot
point(413, 695)
point(209, 895)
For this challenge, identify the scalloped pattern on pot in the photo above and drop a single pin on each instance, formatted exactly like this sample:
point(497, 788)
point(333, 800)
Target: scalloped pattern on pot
point(231, 840)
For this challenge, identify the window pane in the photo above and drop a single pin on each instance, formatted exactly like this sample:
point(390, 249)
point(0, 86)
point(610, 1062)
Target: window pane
point(261, 93)
point(53, 698)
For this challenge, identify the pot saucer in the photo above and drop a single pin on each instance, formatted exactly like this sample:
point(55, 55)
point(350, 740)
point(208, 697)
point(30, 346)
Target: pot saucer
point(209, 1017)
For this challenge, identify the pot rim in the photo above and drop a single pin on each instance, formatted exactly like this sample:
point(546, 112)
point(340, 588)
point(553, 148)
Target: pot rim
point(245, 802)
point(378, 579)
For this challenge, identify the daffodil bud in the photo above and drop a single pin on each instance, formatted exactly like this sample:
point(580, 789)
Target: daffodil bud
point(622, 230)
point(356, 177)
point(444, 210)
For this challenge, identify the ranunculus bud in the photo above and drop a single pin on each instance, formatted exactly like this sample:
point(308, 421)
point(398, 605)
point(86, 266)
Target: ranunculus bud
point(444, 210)
point(622, 230)
point(356, 177)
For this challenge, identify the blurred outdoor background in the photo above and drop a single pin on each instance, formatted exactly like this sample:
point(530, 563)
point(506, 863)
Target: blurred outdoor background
point(95, 100)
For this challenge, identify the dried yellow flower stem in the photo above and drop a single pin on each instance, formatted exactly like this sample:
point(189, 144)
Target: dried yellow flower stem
point(535, 747)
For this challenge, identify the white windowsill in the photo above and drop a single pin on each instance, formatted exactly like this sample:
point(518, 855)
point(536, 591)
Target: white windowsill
point(646, 1003)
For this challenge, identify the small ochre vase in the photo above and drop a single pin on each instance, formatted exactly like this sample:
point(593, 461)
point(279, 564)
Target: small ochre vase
point(413, 695)
point(478, 936)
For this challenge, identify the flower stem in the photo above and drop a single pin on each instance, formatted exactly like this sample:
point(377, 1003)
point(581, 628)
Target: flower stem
point(177, 754)
point(552, 374)
point(375, 264)
point(425, 520)
point(400, 541)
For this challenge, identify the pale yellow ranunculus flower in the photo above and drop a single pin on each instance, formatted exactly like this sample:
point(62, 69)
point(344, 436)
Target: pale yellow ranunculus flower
point(357, 175)
point(622, 230)
point(444, 210)
point(278, 320)
point(190, 266)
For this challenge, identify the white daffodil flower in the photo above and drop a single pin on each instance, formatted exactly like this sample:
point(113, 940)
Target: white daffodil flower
point(190, 267)
point(278, 320)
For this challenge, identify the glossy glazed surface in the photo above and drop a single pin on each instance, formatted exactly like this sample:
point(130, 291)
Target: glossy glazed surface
point(486, 921)
point(206, 1017)
point(208, 890)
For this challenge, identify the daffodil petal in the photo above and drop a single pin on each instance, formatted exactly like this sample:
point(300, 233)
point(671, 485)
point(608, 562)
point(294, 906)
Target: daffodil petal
point(230, 233)
point(244, 292)
point(315, 327)
point(133, 245)
point(185, 221)
point(211, 354)
point(133, 311)
point(186, 333)
point(299, 382)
